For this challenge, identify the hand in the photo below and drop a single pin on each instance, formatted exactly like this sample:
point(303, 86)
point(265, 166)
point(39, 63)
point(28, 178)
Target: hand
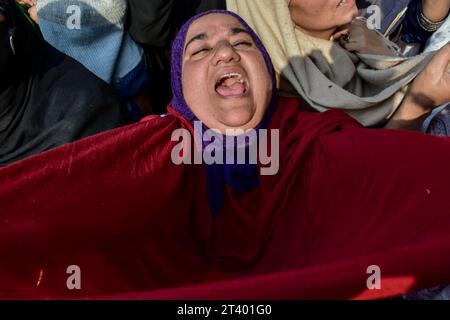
point(28, 2)
point(357, 37)
point(32, 11)
point(431, 88)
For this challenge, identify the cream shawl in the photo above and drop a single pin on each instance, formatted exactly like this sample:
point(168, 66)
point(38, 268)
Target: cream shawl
point(368, 87)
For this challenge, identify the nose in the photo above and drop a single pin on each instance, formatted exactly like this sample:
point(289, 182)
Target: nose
point(225, 53)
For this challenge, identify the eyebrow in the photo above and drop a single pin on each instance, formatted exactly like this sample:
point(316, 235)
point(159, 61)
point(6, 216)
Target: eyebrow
point(235, 31)
point(203, 36)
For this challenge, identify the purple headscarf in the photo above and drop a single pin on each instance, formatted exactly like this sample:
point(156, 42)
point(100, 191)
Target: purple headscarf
point(240, 177)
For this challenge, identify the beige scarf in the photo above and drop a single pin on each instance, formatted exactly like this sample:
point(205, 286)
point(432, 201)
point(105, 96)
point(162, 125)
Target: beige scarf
point(368, 87)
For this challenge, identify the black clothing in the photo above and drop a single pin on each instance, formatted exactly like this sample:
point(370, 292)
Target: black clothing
point(46, 98)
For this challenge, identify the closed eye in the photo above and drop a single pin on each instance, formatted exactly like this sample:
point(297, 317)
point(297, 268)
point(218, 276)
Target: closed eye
point(243, 44)
point(196, 52)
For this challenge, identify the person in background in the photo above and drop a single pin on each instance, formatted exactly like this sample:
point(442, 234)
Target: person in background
point(372, 99)
point(339, 73)
point(95, 34)
point(409, 23)
point(154, 24)
point(46, 98)
point(417, 25)
point(30, 7)
point(134, 218)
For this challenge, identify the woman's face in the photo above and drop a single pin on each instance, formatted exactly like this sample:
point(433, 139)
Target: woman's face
point(225, 80)
point(321, 17)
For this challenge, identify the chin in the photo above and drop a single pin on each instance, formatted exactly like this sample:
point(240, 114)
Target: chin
point(349, 16)
point(354, 12)
point(234, 116)
point(243, 122)
point(236, 125)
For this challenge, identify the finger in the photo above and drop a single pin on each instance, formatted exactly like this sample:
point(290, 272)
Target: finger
point(343, 27)
point(344, 40)
point(343, 43)
point(29, 2)
point(357, 41)
point(359, 23)
point(33, 14)
point(352, 46)
point(339, 34)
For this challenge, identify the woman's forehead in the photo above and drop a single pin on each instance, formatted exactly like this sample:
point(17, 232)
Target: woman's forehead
point(211, 23)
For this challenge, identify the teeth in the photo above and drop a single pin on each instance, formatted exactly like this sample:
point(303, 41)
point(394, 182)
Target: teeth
point(230, 75)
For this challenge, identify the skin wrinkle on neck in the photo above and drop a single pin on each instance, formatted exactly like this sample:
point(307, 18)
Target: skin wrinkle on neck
point(325, 35)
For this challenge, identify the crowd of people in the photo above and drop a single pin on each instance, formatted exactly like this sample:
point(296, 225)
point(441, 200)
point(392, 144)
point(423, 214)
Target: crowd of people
point(93, 95)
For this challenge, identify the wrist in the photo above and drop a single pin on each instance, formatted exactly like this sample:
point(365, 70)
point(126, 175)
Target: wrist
point(416, 104)
point(410, 115)
point(434, 11)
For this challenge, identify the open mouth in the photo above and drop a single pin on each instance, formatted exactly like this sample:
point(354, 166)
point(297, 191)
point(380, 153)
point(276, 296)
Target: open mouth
point(231, 84)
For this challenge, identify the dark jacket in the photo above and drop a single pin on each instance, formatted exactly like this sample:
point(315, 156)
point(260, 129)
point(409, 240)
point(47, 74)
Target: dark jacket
point(47, 99)
point(154, 24)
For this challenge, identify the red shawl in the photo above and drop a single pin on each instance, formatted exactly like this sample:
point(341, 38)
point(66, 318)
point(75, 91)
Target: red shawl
point(116, 206)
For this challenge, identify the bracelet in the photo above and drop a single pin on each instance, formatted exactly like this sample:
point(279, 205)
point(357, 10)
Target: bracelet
point(426, 23)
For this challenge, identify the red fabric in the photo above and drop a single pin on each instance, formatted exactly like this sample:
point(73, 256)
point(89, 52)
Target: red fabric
point(115, 205)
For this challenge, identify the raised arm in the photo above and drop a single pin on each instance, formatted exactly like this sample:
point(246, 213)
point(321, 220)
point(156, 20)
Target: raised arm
point(436, 10)
point(429, 90)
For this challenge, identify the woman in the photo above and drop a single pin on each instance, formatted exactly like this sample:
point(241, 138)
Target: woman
point(118, 208)
point(46, 98)
point(154, 24)
point(410, 23)
point(369, 87)
point(95, 34)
